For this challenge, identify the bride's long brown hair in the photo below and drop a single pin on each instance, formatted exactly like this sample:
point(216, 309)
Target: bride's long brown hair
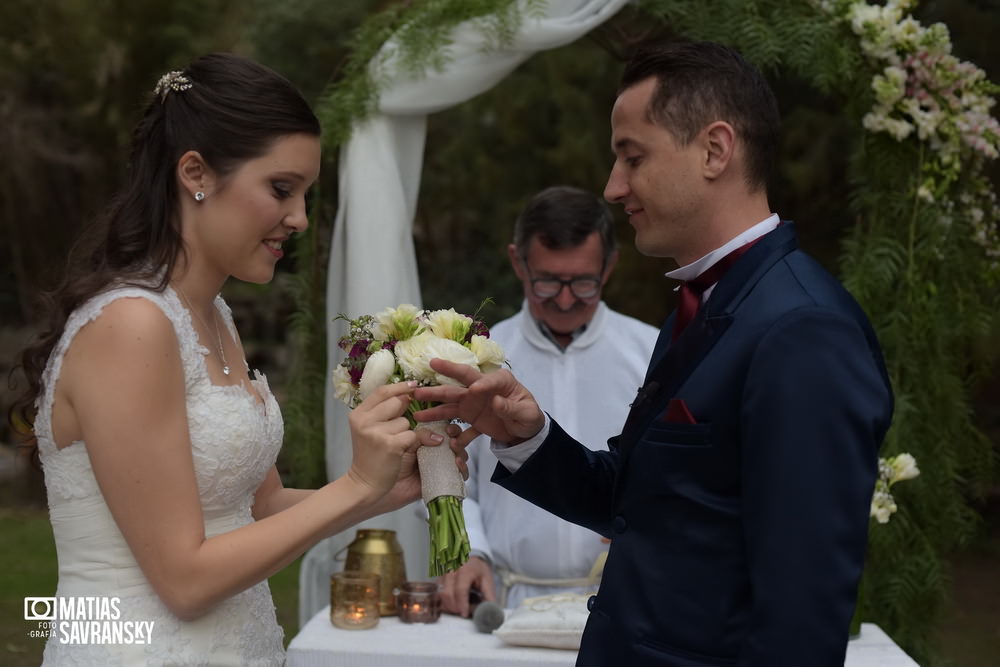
point(233, 111)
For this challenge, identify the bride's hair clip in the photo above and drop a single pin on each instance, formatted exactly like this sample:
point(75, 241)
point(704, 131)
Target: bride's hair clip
point(175, 81)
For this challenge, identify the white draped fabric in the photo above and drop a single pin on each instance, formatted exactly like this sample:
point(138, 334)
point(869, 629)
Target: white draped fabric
point(372, 259)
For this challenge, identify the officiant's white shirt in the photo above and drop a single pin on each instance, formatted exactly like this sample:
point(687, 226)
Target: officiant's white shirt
point(586, 388)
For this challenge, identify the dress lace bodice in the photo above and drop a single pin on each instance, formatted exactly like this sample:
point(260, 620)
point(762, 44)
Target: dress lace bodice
point(235, 440)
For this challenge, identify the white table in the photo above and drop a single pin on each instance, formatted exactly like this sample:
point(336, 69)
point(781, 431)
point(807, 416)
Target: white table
point(454, 642)
point(451, 642)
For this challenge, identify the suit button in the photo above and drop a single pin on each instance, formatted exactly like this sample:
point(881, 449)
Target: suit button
point(619, 524)
point(590, 602)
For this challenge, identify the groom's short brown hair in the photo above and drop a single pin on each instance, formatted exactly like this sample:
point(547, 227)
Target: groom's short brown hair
point(699, 83)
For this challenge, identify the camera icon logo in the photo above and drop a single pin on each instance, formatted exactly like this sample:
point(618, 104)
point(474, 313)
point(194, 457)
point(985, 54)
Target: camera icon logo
point(39, 609)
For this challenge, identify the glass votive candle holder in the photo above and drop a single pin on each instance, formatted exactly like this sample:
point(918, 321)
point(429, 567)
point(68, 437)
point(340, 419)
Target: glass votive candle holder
point(354, 598)
point(418, 602)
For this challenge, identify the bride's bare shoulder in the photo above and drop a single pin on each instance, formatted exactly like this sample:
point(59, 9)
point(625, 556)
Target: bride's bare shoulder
point(127, 330)
point(125, 356)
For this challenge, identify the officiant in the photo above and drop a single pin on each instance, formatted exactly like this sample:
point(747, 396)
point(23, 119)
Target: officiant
point(580, 359)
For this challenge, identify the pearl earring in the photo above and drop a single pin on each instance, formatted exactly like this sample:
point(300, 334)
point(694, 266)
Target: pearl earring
point(198, 196)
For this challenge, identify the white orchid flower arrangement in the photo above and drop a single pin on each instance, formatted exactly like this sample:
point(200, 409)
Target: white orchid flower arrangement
point(891, 470)
point(397, 345)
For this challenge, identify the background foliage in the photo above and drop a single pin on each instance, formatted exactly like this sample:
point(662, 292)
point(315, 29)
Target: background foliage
point(73, 74)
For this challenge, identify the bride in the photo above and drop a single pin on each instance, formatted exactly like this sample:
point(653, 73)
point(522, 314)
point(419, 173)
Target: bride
point(158, 446)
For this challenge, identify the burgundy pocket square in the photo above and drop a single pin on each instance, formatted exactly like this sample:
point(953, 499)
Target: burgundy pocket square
point(678, 413)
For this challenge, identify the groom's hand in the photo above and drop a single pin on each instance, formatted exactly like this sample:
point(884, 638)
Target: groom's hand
point(492, 403)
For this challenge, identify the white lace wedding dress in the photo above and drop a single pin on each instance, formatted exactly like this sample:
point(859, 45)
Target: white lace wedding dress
point(235, 440)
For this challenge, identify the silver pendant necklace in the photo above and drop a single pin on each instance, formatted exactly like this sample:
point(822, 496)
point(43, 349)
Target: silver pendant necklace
point(215, 321)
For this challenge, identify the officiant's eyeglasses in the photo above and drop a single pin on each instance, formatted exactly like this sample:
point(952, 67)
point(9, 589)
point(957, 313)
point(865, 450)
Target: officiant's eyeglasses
point(582, 287)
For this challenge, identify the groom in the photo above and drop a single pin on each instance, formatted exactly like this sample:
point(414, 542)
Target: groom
point(737, 495)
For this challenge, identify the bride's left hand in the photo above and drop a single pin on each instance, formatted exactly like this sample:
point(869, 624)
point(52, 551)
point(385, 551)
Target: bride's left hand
point(407, 486)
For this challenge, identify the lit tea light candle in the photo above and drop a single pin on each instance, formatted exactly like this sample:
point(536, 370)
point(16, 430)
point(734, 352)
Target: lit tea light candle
point(418, 602)
point(354, 600)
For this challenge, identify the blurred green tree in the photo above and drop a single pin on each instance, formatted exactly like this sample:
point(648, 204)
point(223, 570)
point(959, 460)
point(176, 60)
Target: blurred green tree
point(72, 75)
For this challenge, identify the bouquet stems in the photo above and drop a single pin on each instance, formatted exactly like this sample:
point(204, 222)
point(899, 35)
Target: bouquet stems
point(443, 488)
point(449, 541)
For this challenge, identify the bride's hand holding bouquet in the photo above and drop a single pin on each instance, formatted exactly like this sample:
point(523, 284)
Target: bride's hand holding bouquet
point(384, 459)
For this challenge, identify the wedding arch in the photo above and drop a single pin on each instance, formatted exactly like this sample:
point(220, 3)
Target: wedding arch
point(923, 256)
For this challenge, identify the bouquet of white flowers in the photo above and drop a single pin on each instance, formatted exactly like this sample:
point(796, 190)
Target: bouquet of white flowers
point(397, 345)
point(891, 470)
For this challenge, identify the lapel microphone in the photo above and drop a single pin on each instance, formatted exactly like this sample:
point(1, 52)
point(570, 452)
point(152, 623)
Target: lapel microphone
point(643, 394)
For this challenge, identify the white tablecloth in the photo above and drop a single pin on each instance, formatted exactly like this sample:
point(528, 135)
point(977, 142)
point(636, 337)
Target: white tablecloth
point(454, 642)
point(451, 642)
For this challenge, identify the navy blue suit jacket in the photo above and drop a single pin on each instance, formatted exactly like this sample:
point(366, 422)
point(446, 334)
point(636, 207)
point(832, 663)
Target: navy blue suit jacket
point(738, 539)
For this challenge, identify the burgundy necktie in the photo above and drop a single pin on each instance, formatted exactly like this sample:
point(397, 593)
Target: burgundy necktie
point(691, 290)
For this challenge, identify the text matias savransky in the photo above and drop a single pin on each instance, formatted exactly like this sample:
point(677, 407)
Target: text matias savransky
point(85, 620)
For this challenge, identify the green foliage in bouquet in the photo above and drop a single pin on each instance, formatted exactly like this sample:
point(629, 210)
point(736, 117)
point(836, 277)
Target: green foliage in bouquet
point(446, 520)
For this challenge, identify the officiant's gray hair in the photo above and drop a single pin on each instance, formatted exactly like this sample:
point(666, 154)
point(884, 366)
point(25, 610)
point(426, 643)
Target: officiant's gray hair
point(564, 217)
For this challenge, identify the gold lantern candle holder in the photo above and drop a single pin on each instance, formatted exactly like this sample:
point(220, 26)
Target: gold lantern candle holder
point(378, 551)
point(418, 602)
point(354, 600)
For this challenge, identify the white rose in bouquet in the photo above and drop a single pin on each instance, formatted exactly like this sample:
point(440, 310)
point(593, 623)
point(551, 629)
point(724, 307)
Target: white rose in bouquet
point(415, 354)
point(412, 359)
point(451, 351)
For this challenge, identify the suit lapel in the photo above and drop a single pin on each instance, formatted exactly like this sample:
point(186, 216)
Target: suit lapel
point(673, 363)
